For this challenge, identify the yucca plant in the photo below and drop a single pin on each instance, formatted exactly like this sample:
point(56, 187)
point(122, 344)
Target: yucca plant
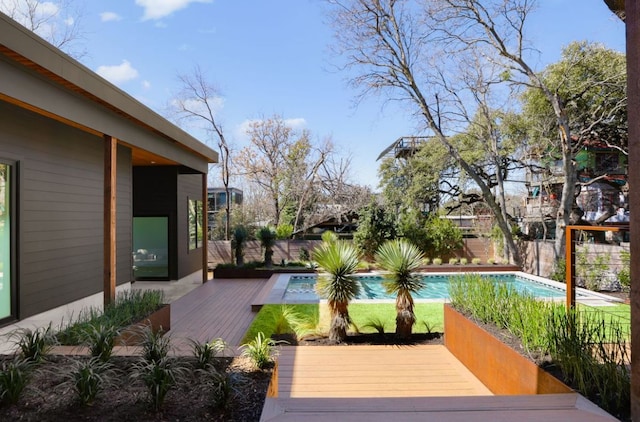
point(259, 350)
point(337, 263)
point(14, 377)
point(267, 238)
point(401, 259)
point(329, 237)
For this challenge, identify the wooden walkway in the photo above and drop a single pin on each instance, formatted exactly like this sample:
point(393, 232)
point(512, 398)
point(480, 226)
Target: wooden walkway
point(220, 308)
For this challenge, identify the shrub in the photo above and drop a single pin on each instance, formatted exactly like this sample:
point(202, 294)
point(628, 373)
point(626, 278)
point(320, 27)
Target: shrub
point(34, 345)
point(259, 351)
point(376, 323)
point(205, 352)
point(303, 254)
point(159, 376)
point(100, 339)
point(464, 261)
point(476, 261)
point(88, 378)
point(437, 261)
point(14, 377)
point(284, 231)
point(453, 261)
point(155, 345)
point(426, 261)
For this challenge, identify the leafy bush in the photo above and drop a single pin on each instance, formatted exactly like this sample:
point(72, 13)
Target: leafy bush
point(464, 261)
point(624, 275)
point(375, 225)
point(284, 231)
point(437, 261)
point(155, 345)
point(476, 261)
point(453, 261)
point(442, 236)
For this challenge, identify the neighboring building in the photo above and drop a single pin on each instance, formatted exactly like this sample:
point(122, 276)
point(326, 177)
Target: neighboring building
point(217, 201)
point(602, 199)
point(96, 189)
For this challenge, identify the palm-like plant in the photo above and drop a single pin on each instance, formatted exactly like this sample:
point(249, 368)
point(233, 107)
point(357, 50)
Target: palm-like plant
point(267, 238)
point(401, 258)
point(337, 263)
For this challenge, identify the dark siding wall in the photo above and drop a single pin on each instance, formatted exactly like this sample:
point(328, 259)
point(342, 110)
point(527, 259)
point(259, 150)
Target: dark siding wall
point(189, 187)
point(60, 209)
point(154, 194)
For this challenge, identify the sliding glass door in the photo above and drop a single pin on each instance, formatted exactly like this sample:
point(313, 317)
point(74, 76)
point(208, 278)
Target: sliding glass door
point(5, 240)
point(151, 248)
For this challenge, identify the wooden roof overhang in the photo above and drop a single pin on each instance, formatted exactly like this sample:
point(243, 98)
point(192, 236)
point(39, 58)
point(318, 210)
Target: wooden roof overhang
point(25, 49)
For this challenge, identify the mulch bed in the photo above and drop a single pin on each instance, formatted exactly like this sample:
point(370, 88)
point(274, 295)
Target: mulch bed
point(48, 398)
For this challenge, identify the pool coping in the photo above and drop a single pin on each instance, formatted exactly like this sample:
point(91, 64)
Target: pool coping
point(276, 294)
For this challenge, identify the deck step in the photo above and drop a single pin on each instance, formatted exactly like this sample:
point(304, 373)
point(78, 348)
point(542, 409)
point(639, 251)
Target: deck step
point(261, 298)
point(552, 407)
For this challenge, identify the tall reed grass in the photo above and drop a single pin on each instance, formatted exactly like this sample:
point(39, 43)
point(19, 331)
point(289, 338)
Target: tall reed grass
point(590, 349)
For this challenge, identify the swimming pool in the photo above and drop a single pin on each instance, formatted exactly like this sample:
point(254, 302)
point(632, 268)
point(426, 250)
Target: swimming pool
point(300, 288)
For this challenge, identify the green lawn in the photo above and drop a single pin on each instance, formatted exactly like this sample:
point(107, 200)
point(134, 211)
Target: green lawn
point(272, 319)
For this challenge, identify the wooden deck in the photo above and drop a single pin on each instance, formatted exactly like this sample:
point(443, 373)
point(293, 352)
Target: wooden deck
point(219, 308)
point(408, 383)
point(373, 371)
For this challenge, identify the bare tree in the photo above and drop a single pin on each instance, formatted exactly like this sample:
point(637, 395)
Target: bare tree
point(198, 101)
point(399, 51)
point(285, 163)
point(58, 22)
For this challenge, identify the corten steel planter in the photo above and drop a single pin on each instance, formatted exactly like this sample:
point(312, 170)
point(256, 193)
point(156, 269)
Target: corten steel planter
point(159, 320)
point(501, 369)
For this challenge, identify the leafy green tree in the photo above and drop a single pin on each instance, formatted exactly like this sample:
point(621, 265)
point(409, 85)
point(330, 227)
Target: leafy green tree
point(337, 264)
point(375, 225)
point(401, 259)
point(442, 236)
point(284, 231)
point(590, 81)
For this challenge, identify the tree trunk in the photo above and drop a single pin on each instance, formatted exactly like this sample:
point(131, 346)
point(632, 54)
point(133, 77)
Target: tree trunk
point(405, 317)
point(340, 321)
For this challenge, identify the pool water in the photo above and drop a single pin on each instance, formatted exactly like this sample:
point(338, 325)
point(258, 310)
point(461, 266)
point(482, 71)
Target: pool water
point(302, 288)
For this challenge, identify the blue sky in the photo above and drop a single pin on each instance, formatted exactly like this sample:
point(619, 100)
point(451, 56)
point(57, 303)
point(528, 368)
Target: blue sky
point(272, 57)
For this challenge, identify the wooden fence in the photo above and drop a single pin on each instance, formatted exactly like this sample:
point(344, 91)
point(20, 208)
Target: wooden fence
point(289, 250)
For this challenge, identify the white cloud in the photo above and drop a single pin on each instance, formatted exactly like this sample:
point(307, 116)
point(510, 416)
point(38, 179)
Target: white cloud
point(146, 84)
point(109, 17)
point(242, 129)
point(158, 9)
point(119, 73)
point(297, 123)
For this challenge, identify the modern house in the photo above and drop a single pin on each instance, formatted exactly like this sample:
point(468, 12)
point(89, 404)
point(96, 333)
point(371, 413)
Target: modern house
point(96, 190)
point(217, 202)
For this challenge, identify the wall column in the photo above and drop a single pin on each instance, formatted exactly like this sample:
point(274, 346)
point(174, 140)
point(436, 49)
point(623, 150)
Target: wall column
point(205, 229)
point(109, 224)
point(633, 113)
